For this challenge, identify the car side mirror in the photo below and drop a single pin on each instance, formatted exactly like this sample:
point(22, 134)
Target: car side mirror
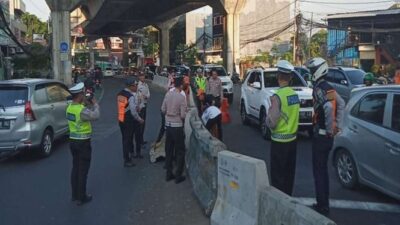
point(344, 82)
point(257, 85)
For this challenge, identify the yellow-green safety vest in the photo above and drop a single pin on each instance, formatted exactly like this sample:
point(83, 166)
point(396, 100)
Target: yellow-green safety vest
point(201, 83)
point(286, 129)
point(78, 129)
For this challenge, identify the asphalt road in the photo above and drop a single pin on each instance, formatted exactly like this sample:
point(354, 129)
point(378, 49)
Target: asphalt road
point(36, 191)
point(247, 140)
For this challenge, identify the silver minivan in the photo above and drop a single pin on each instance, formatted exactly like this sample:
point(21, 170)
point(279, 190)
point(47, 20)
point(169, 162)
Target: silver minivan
point(367, 150)
point(345, 79)
point(32, 115)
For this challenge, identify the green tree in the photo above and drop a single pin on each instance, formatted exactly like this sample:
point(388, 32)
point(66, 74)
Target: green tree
point(37, 62)
point(317, 44)
point(187, 53)
point(150, 45)
point(34, 25)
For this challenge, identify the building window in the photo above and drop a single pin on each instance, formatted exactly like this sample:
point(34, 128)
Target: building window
point(218, 43)
point(218, 20)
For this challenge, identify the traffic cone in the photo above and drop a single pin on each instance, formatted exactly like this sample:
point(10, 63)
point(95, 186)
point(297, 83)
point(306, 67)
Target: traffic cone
point(226, 117)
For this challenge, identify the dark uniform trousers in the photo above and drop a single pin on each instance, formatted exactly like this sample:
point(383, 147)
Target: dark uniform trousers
point(162, 128)
point(81, 156)
point(217, 121)
point(321, 147)
point(130, 130)
point(142, 114)
point(175, 140)
point(283, 165)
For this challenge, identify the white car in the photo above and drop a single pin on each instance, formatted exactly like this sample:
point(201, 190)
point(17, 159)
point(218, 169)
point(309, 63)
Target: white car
point(227, 84)
point(108, 72)
point(257, 89)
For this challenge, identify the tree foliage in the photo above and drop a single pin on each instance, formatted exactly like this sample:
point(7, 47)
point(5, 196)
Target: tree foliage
point(318, 44)
point(39, 61)
point(187, 53)
point(34, 25)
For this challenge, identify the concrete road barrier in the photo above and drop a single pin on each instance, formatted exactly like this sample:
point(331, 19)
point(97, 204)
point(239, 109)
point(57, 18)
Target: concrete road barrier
point(160, 81)
point(279, 208)
point(201, 161)
point(240, 181)
point(246, 198)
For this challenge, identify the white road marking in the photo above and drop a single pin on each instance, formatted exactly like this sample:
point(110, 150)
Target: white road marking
point(346, 204)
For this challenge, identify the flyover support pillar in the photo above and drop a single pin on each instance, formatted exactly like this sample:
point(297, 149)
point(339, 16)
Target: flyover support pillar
point(164, 48)
point(232, 34)
point(61, 52)
point(125, 50)
point(91, 55)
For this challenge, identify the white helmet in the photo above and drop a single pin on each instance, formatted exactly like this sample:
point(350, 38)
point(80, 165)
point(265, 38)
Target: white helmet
point(199, 70)
point(165, 70)
point(318, 68)
point(285, 67)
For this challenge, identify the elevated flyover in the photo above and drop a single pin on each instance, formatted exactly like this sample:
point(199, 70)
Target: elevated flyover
point(115, 18)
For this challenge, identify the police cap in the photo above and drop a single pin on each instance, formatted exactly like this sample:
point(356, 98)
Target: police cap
point(78, 88)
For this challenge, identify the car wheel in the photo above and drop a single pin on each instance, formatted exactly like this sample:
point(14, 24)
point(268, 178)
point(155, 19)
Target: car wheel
point(346, 169)
point(265, 131)
point(230, 99)
point(243, 114)
point(46, 146)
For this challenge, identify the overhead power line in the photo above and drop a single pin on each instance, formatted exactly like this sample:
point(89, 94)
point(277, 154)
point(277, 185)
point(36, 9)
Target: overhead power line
point(346, 3)
point(269, 16)
point(269, 36)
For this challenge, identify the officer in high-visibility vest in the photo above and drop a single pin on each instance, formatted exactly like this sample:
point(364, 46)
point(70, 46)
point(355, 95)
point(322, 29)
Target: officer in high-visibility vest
point(80, 113)
point(129, 121)
point(283, 120)
point(328, 114)
point(200, 80)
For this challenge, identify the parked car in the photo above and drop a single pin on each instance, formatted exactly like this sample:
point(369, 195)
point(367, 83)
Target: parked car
point(259, 86)
point(108, 72)
point(227, 84)
point(32, 114)
point(367, 151)
point(345, 79)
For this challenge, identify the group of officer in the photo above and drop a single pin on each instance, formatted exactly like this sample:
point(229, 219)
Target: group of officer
point(283, 120)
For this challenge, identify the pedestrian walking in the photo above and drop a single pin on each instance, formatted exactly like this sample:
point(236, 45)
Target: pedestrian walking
point(129, 121)
point(214, 88)
point(174, 107)
point(328, 113)
point(79, 114)
point(283, 120)
point(144, 96)
point(212, 119)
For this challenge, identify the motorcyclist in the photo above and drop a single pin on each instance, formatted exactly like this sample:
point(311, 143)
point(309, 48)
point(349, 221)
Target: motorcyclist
point(369, 79)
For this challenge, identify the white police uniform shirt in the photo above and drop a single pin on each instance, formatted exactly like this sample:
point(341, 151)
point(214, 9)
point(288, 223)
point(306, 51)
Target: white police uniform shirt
point(210, 113)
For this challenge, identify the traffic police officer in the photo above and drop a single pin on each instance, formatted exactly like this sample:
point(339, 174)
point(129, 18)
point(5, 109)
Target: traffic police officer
point(143, 95)
point(200, 80)
point(283, 120)
point(79, 114)
point(174, 107)
point(129, 120)
point(328, 113)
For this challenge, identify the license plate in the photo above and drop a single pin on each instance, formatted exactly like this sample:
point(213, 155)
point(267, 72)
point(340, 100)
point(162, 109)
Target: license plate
point(5, 124)
point(305, 115)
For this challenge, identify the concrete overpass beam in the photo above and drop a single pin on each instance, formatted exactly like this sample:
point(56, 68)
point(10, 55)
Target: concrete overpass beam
point(164, 48)
point(233, 9)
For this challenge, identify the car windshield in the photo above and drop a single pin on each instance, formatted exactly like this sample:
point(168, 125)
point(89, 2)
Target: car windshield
point(220, 70)
point(271, 81)
point(356, 76)
point(108, 68)
point(13, 96)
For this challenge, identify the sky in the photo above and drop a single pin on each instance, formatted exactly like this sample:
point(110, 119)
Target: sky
point(40, 9)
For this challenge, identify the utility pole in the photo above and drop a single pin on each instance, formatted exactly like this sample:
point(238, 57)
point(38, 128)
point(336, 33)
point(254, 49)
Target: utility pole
point(295, 32)
point(309, 40)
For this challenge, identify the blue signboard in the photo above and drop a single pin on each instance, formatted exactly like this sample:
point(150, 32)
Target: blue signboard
point(64, 47)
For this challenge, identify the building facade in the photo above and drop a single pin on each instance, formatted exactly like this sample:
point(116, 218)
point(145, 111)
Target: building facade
point(364, 39)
